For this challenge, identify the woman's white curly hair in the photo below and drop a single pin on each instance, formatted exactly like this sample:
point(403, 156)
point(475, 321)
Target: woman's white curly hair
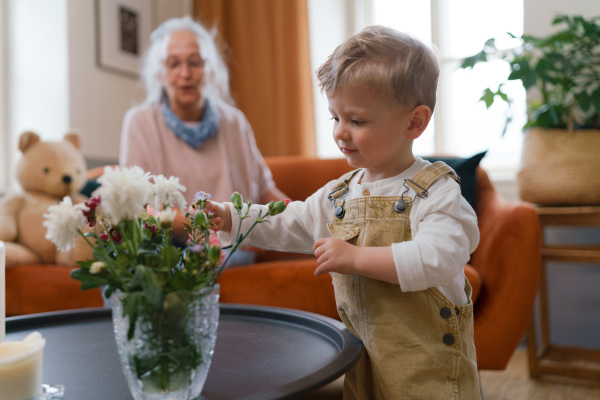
point(214, 86)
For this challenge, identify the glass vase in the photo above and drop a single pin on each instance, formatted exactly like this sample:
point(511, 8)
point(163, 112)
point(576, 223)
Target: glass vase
point(167, 353)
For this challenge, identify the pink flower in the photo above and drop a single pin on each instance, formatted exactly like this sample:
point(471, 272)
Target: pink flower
point(115, 236)
point(89, 211)
point(152, 211)
point(214, 239)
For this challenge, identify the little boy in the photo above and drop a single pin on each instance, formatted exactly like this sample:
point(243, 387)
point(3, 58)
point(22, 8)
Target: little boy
point(394, 234)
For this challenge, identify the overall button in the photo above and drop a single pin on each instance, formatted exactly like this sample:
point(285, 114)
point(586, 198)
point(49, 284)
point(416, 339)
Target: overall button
point(366, 192)
point(448, 339)
point(446, 313)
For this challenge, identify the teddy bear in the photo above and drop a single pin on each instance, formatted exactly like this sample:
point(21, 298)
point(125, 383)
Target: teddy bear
point(47, 172)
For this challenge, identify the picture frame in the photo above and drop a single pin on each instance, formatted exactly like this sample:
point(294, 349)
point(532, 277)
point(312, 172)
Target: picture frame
point(123, 30)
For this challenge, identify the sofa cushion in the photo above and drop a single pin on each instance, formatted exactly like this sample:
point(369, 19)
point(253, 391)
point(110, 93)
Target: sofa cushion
point(289, 284)
point(36, 288)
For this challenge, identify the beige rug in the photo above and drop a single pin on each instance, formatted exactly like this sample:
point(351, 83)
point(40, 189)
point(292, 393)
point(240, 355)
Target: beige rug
point(514, 383)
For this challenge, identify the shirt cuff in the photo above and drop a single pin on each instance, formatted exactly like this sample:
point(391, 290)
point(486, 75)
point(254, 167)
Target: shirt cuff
point(409, 266)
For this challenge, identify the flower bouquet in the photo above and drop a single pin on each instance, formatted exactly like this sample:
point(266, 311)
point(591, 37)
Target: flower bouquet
point(164, 298)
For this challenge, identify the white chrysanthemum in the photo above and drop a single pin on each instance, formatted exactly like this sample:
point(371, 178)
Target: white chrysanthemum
point(63, 222)
point(167, 217)
point(168, 193)
point(123, 192)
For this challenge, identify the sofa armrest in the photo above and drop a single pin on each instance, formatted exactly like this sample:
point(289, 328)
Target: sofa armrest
point(508, 260)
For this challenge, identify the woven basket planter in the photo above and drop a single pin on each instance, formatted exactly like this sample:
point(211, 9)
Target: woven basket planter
point(559, 167)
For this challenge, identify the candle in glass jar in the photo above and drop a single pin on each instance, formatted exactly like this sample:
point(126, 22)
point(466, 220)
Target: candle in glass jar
point(21, 368)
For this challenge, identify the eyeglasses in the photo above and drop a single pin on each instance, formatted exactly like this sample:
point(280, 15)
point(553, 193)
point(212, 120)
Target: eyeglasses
point(174, 65)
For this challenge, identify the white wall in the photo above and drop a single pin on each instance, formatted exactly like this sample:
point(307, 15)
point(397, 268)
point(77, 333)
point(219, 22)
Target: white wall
point(538, 14)
point(100, 98)
point(53, 81)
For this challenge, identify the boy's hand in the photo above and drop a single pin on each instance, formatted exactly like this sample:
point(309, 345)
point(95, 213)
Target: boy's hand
point(337, 255)
point(222, 214)
point(334, 255)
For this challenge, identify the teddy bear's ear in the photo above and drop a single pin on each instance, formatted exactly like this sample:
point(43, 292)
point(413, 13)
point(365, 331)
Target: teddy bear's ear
point(75, 139)
point(27, 140)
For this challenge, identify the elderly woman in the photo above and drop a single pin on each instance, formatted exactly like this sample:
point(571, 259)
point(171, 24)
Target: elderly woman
point(188, 127)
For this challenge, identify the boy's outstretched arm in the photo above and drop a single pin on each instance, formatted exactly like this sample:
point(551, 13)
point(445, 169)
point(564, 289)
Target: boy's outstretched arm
point(222, 214)
point(336, 255)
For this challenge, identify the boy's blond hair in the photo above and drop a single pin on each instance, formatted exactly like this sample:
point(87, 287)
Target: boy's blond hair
point(393, 63)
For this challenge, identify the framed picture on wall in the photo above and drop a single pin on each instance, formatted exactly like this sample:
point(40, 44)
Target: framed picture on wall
point(122, 33)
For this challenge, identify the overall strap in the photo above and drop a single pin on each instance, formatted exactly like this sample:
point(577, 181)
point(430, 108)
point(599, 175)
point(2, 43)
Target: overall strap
point(342, 183)
point(426, 177)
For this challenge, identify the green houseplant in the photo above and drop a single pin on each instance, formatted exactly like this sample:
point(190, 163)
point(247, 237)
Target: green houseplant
point(561, 73)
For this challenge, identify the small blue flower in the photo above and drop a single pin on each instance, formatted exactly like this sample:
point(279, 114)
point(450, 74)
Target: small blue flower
point(197, 248)
point(201, 196)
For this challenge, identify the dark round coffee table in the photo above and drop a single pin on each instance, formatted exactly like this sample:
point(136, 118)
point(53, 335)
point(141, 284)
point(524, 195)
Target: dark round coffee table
point(261, 353)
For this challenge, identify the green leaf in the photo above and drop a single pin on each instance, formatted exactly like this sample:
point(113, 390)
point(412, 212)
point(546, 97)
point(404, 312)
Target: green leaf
point(488, 97)
point(88, 281)
point(145, 280)
point(109, 291)
point(521, 69)
point(470, 62)
point(584, 101)
point(595, 96)
point(170, 255)
point(85, 264)
point(131, 304)
point(180, 281)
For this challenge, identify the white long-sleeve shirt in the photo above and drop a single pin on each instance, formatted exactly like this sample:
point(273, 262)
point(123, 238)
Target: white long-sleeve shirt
point(444, 230)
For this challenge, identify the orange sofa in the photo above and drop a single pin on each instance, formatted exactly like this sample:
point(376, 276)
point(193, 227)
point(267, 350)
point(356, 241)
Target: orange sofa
point(504, 270)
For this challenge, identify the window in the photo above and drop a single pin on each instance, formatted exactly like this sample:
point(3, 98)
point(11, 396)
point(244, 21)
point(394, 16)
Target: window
point(458, 28)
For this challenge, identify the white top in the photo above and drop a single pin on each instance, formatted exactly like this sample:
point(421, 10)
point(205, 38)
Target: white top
point(227, 162)
point(444, 231)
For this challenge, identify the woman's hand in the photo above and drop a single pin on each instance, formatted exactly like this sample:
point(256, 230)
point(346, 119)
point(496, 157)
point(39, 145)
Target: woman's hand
point(222, 214)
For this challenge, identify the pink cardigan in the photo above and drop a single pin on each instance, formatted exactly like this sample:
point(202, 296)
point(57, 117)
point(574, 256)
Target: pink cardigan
point(229, 161)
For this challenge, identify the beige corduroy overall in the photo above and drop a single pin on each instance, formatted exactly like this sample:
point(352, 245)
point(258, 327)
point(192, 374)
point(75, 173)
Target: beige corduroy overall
point(417, 345)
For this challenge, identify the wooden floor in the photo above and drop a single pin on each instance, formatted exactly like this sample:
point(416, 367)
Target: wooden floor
point(514, 383)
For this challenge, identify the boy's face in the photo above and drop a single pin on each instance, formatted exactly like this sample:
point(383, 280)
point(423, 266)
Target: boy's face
point(370, 131)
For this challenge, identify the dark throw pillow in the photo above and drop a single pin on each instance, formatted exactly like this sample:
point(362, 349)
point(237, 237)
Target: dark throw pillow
point(465, 169)
point(89, 187)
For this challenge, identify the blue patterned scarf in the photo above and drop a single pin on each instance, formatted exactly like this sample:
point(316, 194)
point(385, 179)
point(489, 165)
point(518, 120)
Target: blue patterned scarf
point(194, 136)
